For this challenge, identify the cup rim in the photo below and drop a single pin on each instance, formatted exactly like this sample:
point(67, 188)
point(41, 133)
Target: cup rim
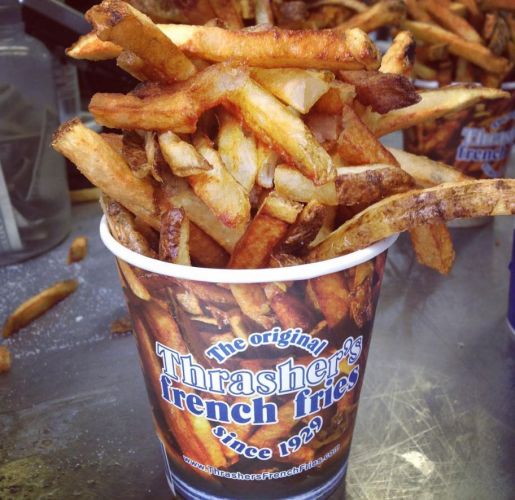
point(216, 275)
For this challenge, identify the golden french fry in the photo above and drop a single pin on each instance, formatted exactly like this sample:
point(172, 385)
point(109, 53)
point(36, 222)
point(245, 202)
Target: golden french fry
point(267, 160)
point(174, 237)
point(84, 195)
point(177, 108)
point(400, 56)
point(118, 22)
point(383, 92)
point(432, 53)
point(298, 88)
point(252, 301)
point(417, 12)
point(355, 5)
point(204, 250)
point(104, 167)
point(427, 172)
point(277, 48)
point(471, 51)
point(134, 65)
point(424, 72)
point(332, 296)
point(37, 305)
point(226, 11)
point(218, 189)
point(401, 212)
point(434, 104)
point(182, 157)
point(453, 22)
point(464, 71)
point(433, 246)
point(278, 126)
point(381, 14)
point(497, 4)
point(238, 150)
point(78, 249)
point(357, 145)
point(265, 231)
point(90, 47)
point(332, 102)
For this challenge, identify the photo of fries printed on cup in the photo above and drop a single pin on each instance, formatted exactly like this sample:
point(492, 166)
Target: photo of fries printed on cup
point(476, 141)
point(253, 385)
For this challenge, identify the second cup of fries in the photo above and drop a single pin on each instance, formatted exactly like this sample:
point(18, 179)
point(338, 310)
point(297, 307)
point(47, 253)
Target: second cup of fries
point(249, 202)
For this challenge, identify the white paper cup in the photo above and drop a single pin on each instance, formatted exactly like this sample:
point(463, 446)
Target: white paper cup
point(253, 375)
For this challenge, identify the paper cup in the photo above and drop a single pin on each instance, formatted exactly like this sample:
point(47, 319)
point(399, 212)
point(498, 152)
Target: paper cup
point(253, 375)
point(477, 141)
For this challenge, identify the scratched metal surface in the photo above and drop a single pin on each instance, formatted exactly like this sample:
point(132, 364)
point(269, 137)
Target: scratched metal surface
point(436, 418)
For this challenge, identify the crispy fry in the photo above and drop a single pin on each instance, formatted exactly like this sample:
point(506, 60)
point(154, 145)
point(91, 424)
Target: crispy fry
point(381, 14)
point(37, 305)
point(332, 102)
point(400, 56)
point(473, 52)
point(90, 47)
point(204, 250)
point(434, 104)
point(433, 246)
point(332, 296)
point(182, 157)
point(355, 5)
point(273, 123)
point(277, 48)
point(104, 167)
point(497, 4)
point(464, 71)
point(252, 301)
point(296, 87)
point(427, 172)
point(426, 206)
point(118, 22)
point(238, 151)
point(5, 359)
point(122, 324)
point(383, 92)
point(132, 151)
point(176, 108)
point(265, 231)
point(417, 12)
point(424, 72)
point(133, 282)
point(78, 249)
point(226, 11)
point(174, 237)
point(267, 160)
point(208, 292)
point(84, 195)
point(357, 145)
point(451, 21)
point(500, 36)
point(304, 230)
point(433, 53)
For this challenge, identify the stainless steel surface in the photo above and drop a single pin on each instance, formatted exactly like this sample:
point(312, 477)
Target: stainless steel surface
point(436, 417)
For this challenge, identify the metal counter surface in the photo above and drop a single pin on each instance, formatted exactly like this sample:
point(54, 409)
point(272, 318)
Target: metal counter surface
point(437, 411)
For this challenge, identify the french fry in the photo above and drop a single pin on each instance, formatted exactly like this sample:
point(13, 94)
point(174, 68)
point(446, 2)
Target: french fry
point(361, 307)
point(5, 359)
point(332, 102)
point(267, 160)
point(134, 284)
point(427, 172)
point(219, 190)
point(37, 305)
point(269, 435)
point(433, 246)
point(276, 125)
point(122, 226)
point(226, 10)
point(238, 151)
point(497, 4)
point(209, 293)
point(90, 47)
point(204, 250)
point(104, 167)
point(473, 52)
point(174, 237)
point(383, 92)
point(182, 157)
point(357, 145)
point(500, 37)
point(298, 88)
point(424, 72)
point(265, 231)
point(277, 48)
point(417, 12)
point(451, 21)
point(264, 14)
point(134, 65)
point(434, 104)
point(426, 206)
point(84, 195)
point(432, 53)
point(464, 71)
point(252, 301)
point(304, 230)
point(332, 296)
point(400, 56)
point(188, 101)
point(381, 14)
point(118, 22)
point(355, 5)
point(78, 249)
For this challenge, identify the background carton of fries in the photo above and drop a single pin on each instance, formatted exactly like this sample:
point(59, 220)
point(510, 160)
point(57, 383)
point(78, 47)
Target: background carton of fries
point(191, 316)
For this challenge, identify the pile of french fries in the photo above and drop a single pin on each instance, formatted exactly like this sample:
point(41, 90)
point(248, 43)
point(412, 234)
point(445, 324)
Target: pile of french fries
point(293, 14)
point(464, 40)
point(260, 147)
